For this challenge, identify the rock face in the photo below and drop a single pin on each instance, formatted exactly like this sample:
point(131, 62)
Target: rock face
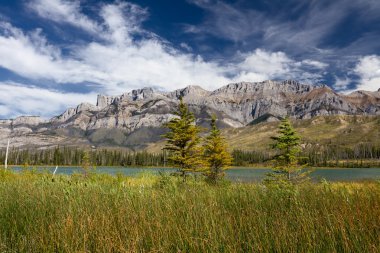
point(27, 120)
point(22, 124)
point(368, 102)
point(235, 105)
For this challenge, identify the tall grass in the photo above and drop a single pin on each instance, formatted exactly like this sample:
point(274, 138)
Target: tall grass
point(39, 213)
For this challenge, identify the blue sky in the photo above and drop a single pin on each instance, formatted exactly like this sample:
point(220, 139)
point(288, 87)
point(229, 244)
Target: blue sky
point(55, 54)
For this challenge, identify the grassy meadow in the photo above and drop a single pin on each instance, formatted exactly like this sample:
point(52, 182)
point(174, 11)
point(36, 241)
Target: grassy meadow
point(101, 213)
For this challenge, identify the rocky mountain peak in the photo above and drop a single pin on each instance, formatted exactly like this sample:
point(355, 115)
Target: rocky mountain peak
point(86, 107)
point(194, 90)
point(141, 94)
point(237, 88)
point(103, 101)
point(295, 86)
point(255, 87)
point(190, 92)
point(134, 95)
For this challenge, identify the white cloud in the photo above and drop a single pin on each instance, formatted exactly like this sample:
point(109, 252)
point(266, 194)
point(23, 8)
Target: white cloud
point(30, 100)
point(262, 65)
point(118, 66)
point(122, 20)
point(270, 64)
point(62, 11)
point(341, 84)
point(28, 56)
point(31, 56)
point(186, 46)
point(315, 64)
point(5, 111)
point(122, 63)
point(226, 21)
point(368, 68)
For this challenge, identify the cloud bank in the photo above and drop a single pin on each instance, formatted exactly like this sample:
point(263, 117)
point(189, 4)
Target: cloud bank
point(368, 69)
point(20, 99)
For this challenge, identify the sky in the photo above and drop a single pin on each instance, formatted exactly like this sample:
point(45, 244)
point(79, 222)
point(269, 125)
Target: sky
point(55, 54)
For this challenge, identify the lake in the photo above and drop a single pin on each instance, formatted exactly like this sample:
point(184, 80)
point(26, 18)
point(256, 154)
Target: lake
point(236, 174)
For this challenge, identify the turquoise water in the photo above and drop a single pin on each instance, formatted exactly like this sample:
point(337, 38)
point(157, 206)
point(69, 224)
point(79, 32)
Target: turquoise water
point(240, 174)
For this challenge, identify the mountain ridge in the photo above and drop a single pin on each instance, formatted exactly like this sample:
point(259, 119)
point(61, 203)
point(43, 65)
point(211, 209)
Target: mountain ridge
point(142, 112)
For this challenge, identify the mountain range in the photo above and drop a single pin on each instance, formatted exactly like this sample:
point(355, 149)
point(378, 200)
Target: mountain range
point(134, 119)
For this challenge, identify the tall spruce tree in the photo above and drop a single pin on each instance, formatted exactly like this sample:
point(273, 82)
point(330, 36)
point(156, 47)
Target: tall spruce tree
point(182, 141)
point(216, 155)
point(287, 144)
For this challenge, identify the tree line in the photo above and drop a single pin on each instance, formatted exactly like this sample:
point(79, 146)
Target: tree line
point(328, 155)
point(105, 157)
point(333, 155)
point(71, 156)
point(74, 157)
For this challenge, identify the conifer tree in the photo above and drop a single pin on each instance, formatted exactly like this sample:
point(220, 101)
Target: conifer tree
point(215, 152)
point(287, 144)
point(86, 163)
point(182, 141)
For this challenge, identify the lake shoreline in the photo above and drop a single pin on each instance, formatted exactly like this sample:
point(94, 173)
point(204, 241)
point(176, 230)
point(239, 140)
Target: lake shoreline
point(243, 174)
point(249, 167)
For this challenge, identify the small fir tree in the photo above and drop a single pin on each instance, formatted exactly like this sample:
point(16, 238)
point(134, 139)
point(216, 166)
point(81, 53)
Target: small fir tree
point(215, 154)
point(86, 163)
point(182, 141)
point(287, 144)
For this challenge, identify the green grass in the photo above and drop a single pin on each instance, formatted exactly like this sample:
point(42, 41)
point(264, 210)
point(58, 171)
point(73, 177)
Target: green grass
point(161, 214)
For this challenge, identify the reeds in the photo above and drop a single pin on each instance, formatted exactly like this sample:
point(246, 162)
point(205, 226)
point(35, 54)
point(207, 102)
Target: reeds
point(100, 213)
